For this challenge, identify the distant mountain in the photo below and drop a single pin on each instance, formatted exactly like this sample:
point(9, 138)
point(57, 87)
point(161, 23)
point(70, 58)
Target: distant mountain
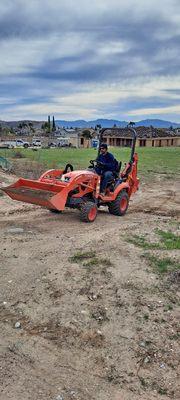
point(157, 123)
point(109, 123)
point(105, 123)
point(14, 124)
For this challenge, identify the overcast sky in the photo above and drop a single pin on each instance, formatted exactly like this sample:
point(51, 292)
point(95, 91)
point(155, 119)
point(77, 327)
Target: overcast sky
point(79, 59)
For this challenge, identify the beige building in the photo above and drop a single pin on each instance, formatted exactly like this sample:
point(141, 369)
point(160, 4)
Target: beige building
point(146, 137)
point(79, 139)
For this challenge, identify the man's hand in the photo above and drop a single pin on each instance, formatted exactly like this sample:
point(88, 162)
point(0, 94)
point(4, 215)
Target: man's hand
point(100, 163)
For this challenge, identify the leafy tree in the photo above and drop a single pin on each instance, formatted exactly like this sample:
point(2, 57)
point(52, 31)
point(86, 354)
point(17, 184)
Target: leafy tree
point(49, 124)
point(87, 134)
point(53, 125)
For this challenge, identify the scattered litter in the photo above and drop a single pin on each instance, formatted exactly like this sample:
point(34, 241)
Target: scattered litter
point(15, 230)
point(162, 365)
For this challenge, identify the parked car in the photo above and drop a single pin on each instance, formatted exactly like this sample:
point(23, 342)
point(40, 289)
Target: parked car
point(62, 142)
point(52, 145)
point(36, 143)
point(22, 143)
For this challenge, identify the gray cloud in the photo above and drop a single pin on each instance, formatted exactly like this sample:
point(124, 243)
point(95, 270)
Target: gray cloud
point(50, 48)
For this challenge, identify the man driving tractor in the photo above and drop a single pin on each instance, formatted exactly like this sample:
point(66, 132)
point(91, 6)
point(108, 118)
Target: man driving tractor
point(106, 167)
point(57, 189)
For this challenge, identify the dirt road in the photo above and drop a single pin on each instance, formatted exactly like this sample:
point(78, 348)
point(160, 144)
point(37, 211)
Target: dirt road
point(96, 326)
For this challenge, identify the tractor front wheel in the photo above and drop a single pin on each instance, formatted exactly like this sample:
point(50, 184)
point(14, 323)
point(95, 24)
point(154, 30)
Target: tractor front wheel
point(120, 205)
point(88, 211)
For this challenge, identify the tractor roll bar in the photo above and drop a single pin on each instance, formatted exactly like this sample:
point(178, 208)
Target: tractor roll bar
point(133, 142)
point(134, 136)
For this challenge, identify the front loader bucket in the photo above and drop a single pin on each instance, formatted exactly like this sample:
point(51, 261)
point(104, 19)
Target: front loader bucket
point(47, 195)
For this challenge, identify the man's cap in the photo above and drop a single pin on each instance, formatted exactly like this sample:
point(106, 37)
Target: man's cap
point(103, 146)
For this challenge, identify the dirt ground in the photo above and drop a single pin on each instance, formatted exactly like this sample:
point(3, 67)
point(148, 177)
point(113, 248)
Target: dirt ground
point(93, 329)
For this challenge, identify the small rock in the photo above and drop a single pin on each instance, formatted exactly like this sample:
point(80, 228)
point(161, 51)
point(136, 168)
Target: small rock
point(72, 393)
point(17, 325)
point(142, 344)
point(92, 297)
point(84, 312)
point(4, 303)
point(59, 397)
point(147, 360)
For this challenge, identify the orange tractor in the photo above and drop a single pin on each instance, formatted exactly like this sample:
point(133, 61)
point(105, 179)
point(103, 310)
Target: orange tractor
point(57, 189)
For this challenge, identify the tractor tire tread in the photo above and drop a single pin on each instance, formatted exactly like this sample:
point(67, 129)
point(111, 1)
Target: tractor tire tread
point(84, 210)
point(114, 206)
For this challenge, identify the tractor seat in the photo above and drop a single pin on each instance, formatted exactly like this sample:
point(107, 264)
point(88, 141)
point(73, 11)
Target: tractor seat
point(118, 169)
point(115, 175)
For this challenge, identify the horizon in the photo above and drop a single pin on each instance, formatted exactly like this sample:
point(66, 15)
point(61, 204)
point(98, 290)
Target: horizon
point(92, 120)
point(104, 123)
point(77, 61)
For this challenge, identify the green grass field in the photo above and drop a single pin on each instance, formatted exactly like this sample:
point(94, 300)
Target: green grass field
point(151, 160)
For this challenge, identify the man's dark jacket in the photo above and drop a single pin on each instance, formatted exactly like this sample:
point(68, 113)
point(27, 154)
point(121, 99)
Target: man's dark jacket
point(109, 163)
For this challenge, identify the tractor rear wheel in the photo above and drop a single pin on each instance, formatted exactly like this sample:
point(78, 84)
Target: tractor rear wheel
point(88, 211)
point(120, 205)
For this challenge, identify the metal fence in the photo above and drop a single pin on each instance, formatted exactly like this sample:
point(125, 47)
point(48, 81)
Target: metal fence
point(5, 164)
